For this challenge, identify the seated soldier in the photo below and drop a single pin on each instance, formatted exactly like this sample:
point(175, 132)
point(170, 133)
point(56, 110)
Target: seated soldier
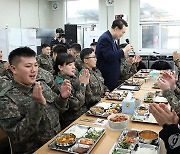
point(96, 88)
point(44, 59)
point(65, 69)
point(3, 65)
point(29, 110)
point(75, 50)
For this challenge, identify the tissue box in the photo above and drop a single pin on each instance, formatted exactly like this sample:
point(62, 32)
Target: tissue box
point(128, 106)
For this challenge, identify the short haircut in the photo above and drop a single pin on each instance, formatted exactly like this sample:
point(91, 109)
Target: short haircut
point(15, 55)
point(60, 30)
point(93, 44)
point(45, 46)
point(63, 59)
point(60, 48)
point(76, 46)
point(85, 53)
point(119, 23)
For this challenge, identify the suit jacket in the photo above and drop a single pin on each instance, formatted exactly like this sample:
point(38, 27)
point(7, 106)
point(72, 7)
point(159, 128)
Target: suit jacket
point(108, 59)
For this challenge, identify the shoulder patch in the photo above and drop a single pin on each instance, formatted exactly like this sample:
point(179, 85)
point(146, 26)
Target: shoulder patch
point(3, 91)
point(59, 80)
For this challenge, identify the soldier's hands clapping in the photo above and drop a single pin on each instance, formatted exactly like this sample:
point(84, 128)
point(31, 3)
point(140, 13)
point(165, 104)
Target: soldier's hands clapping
point(65, 89)
point(37, 94)
point(84, 77)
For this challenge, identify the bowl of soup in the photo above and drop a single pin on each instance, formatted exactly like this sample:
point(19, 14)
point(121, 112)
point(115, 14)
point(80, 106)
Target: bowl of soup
point(118, 121)
point(66, 139)
point(148, 136)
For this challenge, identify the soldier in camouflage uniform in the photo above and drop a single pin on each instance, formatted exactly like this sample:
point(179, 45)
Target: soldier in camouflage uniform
point(44, 60)
point(65, 69)
point(75, 50)
point(3, 65)
point(29, 110)
point(96, 88)
point(167, 83)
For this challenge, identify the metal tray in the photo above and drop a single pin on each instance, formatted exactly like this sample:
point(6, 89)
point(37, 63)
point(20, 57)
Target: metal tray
point(108, 107)
point(135, 147)
point(147, 117)
point(80, 131)
point(118, 95)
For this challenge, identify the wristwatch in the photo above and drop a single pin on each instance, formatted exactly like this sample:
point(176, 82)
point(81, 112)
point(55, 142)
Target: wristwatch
point(165, 125)
point(83, 84)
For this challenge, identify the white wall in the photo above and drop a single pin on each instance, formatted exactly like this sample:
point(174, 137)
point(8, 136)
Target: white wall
point(24, 13)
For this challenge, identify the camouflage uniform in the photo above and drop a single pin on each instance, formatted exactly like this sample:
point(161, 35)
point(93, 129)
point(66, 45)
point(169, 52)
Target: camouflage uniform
point(78, 63)
point(76, 100)
point(2, 70)
point(95, 89)
point(173, 99)
point(28, 123)
point(127, 70)
point(45, 62)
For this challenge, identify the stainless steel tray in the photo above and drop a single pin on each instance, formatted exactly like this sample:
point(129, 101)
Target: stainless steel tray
point(135, 147)
point(80, 131)
point(107, 109)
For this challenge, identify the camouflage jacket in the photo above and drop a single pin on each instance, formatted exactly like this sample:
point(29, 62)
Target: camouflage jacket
point(78, 63)
point(45, 62)
point(2, 70)
point(96, 88)
point(127, 70)
point(28, 123)
point(173, 99)
point(76, 100)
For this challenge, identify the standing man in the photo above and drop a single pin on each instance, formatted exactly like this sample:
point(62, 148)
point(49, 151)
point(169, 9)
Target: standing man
point(108, 55)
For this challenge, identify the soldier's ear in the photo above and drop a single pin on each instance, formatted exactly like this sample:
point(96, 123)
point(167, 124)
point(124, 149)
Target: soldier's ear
point(13, 69)
point(60, 67)
point(85, 61)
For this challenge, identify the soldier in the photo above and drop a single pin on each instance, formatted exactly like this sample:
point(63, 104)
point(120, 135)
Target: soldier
point(75, 50)
point(167, 83)
point(65, 69)
point(3, 65)
point(44, 59)
point(29, 110)
point(96, 88)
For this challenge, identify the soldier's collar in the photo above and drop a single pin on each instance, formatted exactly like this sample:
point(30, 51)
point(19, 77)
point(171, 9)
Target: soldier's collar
point(22, 87)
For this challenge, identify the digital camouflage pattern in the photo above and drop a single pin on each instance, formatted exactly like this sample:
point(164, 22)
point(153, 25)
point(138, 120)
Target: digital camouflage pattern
point(2, 70)
point(78, 63)
point(76, 100)
point(45, 62)
point(127, 70)
point(96, 89)
point(28, 123)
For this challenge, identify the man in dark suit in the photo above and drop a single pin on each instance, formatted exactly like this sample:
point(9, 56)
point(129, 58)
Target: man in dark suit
point(108, 55)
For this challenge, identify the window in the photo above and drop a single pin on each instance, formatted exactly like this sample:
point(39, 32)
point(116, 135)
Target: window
point(82, 11)
point(160, 24)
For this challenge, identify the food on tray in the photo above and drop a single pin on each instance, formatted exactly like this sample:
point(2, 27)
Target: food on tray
point(80, 150)
point(148, 135)
point(118, 118)
point(86, 141)
point(149, 97)
point(66, 139)
point(94, 134)
point(142, 110)
point(155, 85)
point(97, 109)
point(117, 151)
point(128, 139)
point(117, 96)
point(111, 110)
point(124, 145)
point(132, 133)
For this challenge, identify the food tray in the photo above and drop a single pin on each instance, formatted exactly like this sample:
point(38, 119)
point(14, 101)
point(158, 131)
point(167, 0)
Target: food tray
point(104, 109)
point(134, 145)
point(133, 82)
point(80, 131)
point(154, 96)
point(145, 70)
point(140, 75)
point(118, 95)
point(143, 115)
